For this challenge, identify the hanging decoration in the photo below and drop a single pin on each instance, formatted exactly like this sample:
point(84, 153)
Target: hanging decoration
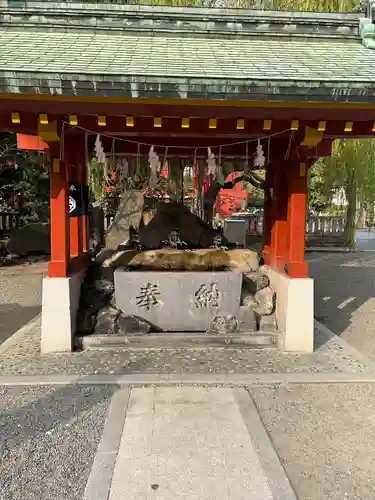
point(124, 167)
point(113, 160)
point(99, 151)
point(137, 175)
point(211, 164)
point(154, 164)
point(259, 159)
point(206, 181)
point(220, 173)
point(165, 170)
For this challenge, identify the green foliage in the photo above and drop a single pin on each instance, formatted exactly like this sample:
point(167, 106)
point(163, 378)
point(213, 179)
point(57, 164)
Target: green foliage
point(352, 168)
point(319, 194)
point(314, 5)
point(295, 5)
point(29, 177)
point(108, 182)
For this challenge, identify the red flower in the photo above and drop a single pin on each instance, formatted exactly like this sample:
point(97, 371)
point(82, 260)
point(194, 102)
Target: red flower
point(113, 176)
point(108, 189)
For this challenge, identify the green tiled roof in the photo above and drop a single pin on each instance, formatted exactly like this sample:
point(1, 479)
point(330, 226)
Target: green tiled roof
point(141, 51)
point(230, 59)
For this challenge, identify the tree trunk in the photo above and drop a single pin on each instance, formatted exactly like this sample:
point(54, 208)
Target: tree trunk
point(351, 196)
point(361, 215)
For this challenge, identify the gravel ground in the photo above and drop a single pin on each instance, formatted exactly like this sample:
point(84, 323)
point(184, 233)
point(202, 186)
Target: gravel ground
point(325, 437)
point(20, 296)
point(24, 358)
point(338, 278)
point(48, 440)
point(345, 297)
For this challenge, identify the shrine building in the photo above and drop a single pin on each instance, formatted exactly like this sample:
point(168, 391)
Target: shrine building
point(196, 78)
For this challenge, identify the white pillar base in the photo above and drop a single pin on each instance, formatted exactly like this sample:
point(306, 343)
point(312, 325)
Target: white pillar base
point(294, 311)
point(60, 303)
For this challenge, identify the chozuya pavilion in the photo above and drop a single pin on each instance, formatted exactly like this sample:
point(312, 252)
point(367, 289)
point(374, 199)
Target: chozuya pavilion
point(187, 76)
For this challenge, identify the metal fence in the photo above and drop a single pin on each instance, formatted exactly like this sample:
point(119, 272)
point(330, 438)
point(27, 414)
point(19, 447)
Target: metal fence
point(317, 225)
point(8, 222)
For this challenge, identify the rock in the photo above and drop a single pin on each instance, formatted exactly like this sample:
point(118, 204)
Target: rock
point(96, 293)
point(31, 239)
point(265, 270)
point(253, 282)
point(86, 319)
point(104, 286)
point(128, 324)
point(244, 260)
point(111, 320)
point(247, 319)
point(176, 217)
point(128, 215)
point(266, 301)
point(120, 259)
point(248, 300)
point(223, 324)
point(106, 321)
point(268, 324)
point(105, 255)
point(195, 260)
point(97, 231)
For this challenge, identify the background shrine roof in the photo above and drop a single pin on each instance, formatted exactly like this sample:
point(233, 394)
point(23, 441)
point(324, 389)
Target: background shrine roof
point(143, 51)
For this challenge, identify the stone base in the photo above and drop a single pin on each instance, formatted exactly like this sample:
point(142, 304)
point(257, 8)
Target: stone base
point(294, 311)
point(175, 340)
point(60, 303)
point(178, 301)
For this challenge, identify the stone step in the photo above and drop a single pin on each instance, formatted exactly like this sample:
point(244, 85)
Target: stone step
point(175, 340)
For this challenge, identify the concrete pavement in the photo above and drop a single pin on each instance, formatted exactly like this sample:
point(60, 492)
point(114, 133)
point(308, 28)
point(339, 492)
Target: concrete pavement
point(188, 442)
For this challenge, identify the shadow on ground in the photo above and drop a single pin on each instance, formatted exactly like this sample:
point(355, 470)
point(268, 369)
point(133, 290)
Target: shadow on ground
point(49, 438)
point(13, 317)
point(344, 290)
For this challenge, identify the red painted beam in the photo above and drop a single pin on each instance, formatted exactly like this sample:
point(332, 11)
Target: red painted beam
point(181, 108)
point(171, 126)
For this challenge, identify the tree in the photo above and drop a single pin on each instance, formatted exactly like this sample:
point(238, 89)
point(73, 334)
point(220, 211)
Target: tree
point(319, 193)
point(297, 5)
point(352, 168)
point(24, 173)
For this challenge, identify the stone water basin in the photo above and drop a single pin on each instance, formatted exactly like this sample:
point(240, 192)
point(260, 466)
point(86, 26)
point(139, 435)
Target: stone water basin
point(178, 300)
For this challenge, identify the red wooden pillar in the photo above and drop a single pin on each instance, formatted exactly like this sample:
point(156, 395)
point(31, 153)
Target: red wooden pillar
point(297, 204)
point(74, 222)
point(75, 153)
point(279, 231)
point(268, 216)
point(84, 218)
point(58, 265)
